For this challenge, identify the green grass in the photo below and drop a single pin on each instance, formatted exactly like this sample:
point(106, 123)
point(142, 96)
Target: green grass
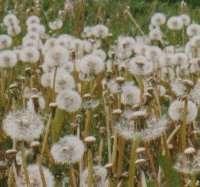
point(109, 12)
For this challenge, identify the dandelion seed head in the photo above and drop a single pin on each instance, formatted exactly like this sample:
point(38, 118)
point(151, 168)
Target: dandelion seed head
point(130, 94)
point(193, 29)
point(139, 65)
point(56, 24)
point(63, 80)
point(179, 88)
point(69, 100)
point(158, 19)
point(14, 30)
point(146, 130)
point(91, 65)
point(10, 20)
point(188, 165)
point(195, 93)
point(156, 34)
point(69, 149)
point(99, 174)
point(176, 111)
point(23, 125)
point(29, 55)
point(186, 19)
point(37, 28)
point(175, 23)
point(5, 41)
point(32, 20)
point(35, 178)
point(56, 56)
point(8, 59)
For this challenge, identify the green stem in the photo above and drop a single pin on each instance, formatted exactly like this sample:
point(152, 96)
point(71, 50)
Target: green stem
point(24, 165)
point(132, 168)
point(184, 126)
point(90, 169)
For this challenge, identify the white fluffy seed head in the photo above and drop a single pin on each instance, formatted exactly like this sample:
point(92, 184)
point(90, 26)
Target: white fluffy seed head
point(63, 81)
point(10, 20)
point(37, 28)
point(91, 65)
point(56, 56)
point(195, 93)
point(23, 125)
point(130, 94)
point(175, 23)
point(139, 65)
point(8, 59)
point(29, 55)
point(147, 130)
point(69, 100)
point(158, 19)
point(185, 19)
point(5, 41)
point(13, 30)
point(56, 24)
point(99, 174)
point(176, 111)
point(193, 30)
point(69, 149)
point(156, 35)
point(35, 177)
point(179, 88)
point(188, 165)
point(32, 20)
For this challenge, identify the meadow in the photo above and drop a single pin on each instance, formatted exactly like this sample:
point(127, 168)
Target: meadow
point(99, 93)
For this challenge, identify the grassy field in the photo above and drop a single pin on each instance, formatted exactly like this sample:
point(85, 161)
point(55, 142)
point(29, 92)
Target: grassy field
point(124, 101)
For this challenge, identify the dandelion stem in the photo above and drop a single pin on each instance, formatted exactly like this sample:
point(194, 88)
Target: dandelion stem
point(87, 123)
point(120, 160)
point(72, 176)
point(114, 152)
point(90, 168)
point(193, 181)
point(10, 177)
point(169, 139)
point(134, 21)
point(184, 126)
point(100, 151)
point(108, 134)
point(132, 168)
point(57, 124)
point(24, 165)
